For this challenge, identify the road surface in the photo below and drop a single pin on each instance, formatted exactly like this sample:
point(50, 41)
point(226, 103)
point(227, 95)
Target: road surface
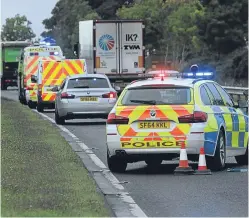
point(160, 193)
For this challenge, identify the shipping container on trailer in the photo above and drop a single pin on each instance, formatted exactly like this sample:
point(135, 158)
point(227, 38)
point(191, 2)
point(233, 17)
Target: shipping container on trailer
point(114, 48)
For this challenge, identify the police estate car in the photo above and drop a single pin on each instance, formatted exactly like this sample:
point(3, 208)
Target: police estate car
point(154, 117)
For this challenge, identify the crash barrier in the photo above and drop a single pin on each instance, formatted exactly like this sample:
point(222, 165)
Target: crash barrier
point(237, 93)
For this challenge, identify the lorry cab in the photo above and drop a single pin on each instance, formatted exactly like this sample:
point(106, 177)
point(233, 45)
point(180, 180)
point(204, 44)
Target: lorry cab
point(9, 62)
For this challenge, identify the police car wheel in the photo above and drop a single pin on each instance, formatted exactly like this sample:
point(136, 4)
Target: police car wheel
point(59, 120)
point(218, 162)
point(116, 164)
point(243, 159)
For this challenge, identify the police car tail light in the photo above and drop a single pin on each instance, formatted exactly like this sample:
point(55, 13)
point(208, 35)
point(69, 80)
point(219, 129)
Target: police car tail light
point(65, 95)
point(113, 119)
point(110, 95)
point(196, 117)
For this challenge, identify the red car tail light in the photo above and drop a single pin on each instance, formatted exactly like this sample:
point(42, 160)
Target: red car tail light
point(113, 119)
point(110, 95)
point(65, 95)
point(196, 117)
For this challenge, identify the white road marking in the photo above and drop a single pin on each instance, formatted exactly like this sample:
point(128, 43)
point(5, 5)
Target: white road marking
point(135, 209)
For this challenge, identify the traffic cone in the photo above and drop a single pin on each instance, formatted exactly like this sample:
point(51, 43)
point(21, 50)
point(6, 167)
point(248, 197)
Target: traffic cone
point(202, 166)
point(183, 167)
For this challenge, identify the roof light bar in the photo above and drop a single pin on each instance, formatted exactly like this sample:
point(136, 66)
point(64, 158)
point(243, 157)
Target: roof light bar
point(48, 41)
point(196, 74)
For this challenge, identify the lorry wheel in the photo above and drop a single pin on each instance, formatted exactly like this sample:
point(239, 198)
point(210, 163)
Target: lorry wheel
point(243, 159)
point(31, 105)
point(218, 162)
point(40, 107)
point(59, 120)
point(116, 164)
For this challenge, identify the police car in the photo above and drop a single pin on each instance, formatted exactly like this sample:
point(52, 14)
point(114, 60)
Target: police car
point(153, 118)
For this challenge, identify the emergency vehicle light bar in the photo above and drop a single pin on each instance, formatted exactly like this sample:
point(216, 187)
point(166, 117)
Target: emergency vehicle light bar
point(48, 41)
point(198, 75)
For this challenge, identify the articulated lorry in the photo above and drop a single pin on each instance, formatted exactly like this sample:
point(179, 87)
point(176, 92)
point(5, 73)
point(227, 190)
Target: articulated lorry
point(11, 52)
point(114, 48)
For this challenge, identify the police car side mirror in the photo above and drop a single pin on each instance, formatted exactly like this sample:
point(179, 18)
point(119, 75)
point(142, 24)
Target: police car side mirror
point(33, 79)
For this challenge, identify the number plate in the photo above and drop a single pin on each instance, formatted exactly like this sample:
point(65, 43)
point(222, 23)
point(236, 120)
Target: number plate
point(154, 125)
point(89, 99)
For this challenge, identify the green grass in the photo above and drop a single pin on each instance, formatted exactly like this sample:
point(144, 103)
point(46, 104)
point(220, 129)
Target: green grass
point(41, 175)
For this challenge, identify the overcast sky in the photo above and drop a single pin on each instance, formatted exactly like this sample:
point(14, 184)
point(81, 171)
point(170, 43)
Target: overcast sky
point(35, 10)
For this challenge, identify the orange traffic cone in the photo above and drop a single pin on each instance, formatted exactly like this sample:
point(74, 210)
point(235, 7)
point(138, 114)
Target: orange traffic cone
point(183, 167)
point(202, 166)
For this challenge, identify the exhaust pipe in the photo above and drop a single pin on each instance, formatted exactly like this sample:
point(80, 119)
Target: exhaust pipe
point(120, 153)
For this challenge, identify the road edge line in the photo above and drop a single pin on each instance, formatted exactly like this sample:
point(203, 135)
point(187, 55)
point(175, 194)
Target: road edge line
point(133, 207)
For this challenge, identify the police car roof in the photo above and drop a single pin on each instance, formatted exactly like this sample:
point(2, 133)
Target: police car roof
point(87, 76)
point(167, 81)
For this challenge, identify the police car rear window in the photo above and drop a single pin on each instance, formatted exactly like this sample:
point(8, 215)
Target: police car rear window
point(87, 83)
point(157, 96)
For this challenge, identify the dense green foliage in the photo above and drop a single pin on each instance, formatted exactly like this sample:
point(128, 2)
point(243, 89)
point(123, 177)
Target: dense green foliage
point(212, 32)
point(17, 29)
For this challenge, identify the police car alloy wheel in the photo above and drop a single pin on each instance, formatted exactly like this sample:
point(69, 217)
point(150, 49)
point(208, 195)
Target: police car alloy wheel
point(218, 162)
point(116, 164)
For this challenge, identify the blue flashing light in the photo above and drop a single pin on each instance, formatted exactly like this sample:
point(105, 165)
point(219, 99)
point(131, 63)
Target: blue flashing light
point(196, 73)
point(199, 75)
point(48, 41)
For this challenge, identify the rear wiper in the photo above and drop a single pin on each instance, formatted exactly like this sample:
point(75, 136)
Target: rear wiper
point(81, 87)
point(153, 102)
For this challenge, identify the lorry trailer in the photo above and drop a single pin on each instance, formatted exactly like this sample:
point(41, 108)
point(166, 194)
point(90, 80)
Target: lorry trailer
point(114, 48)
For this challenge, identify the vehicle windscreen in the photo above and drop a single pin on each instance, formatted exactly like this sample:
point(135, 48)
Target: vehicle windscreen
point(157, 96)
point(10, 67)
point(87, 83)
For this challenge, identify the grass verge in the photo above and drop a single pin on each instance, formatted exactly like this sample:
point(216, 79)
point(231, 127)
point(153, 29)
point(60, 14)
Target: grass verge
point(41, 175)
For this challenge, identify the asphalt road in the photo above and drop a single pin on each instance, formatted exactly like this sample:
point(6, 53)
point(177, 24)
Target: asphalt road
point(160, 193)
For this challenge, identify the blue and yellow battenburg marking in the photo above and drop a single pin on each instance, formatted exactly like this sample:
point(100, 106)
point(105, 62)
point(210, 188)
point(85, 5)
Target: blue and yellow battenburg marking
point(234, 121)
